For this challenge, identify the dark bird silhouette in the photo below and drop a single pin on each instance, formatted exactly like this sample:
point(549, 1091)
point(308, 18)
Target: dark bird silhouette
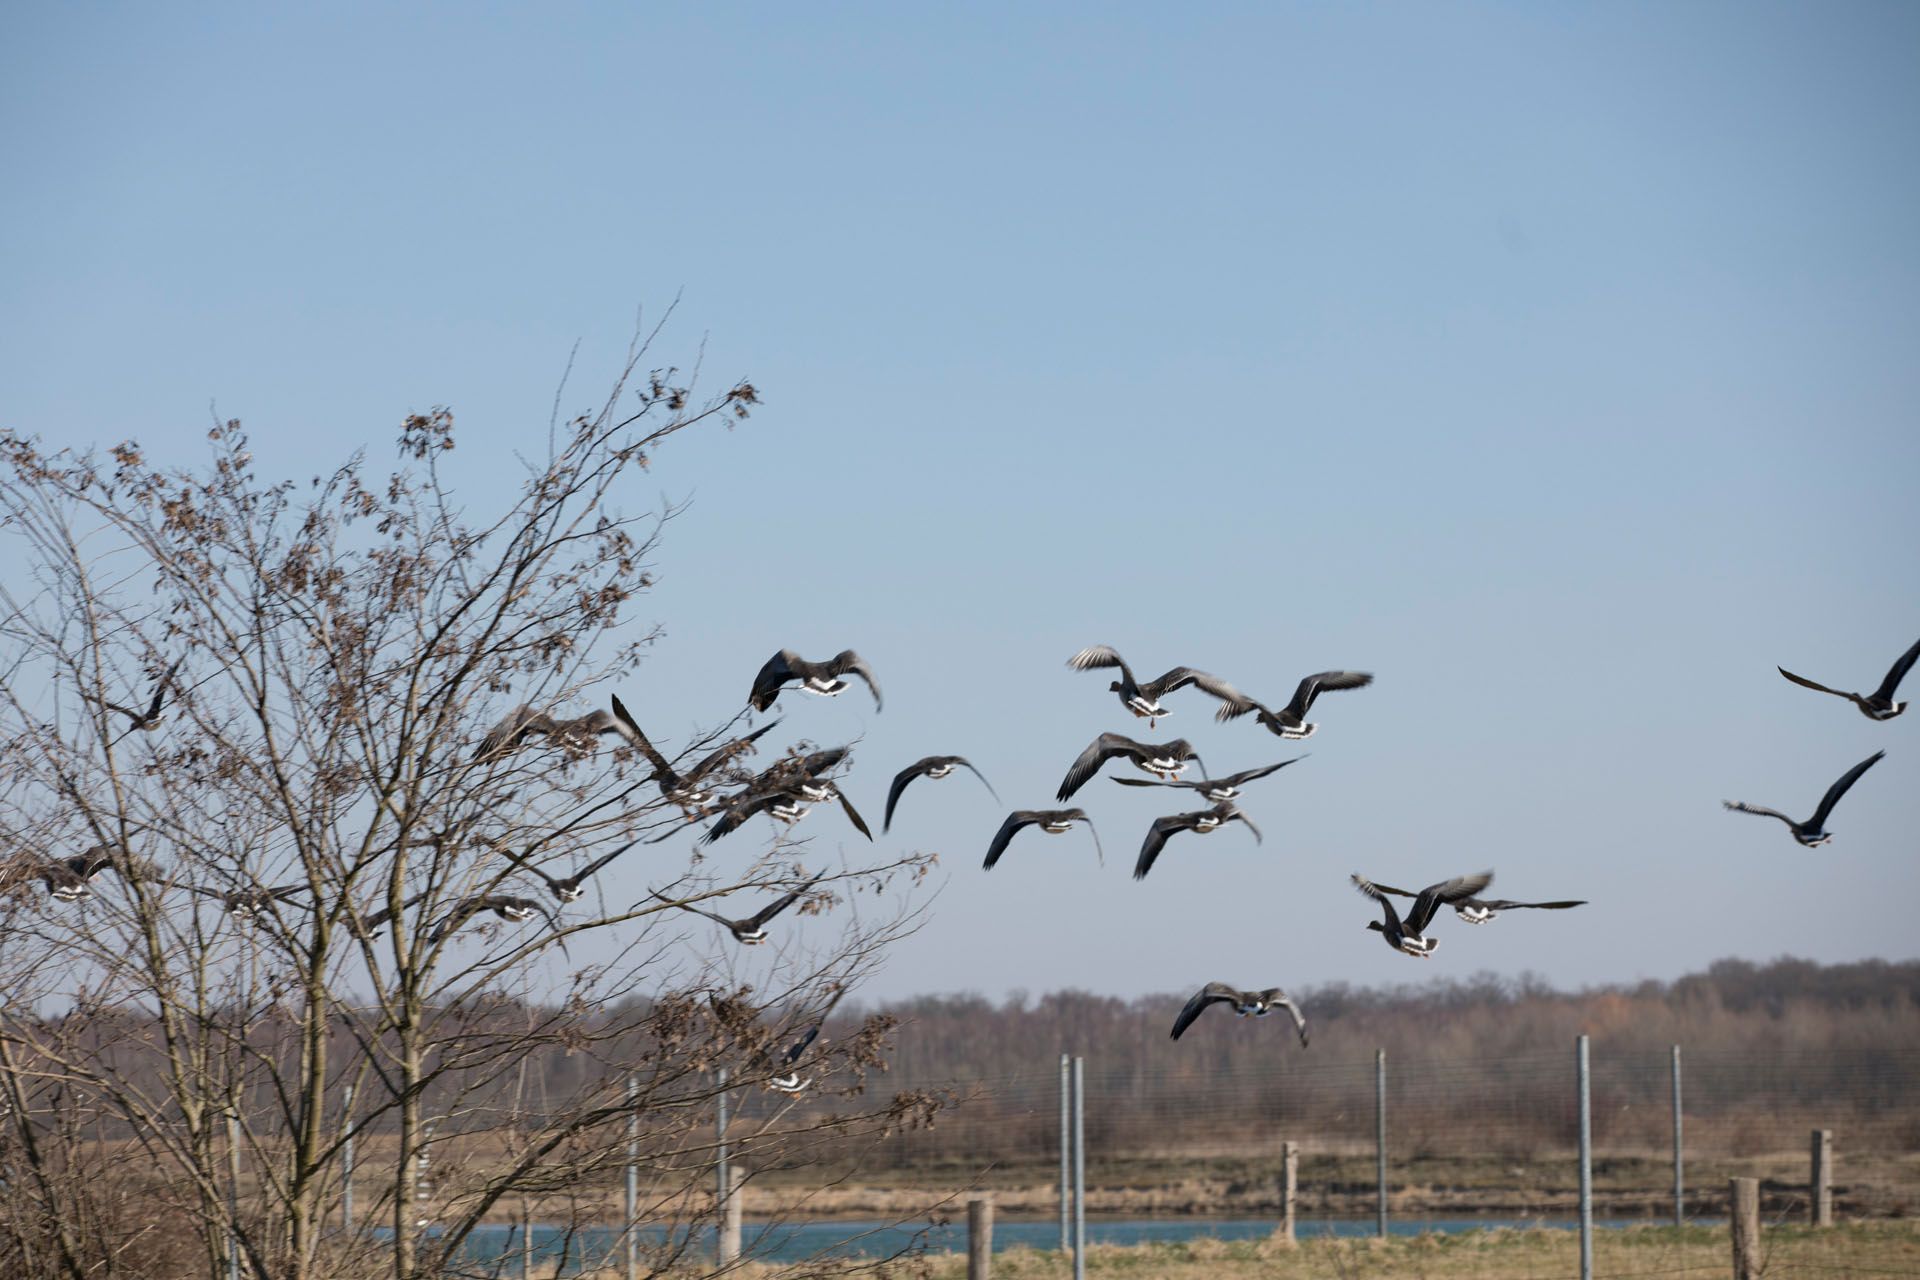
point(573, 887)
point(1481, 910)
point(1408, 935)
point(576, 735)
point(1052, 821)
point(787, 804)
point(1143, 700)
point(684, 789)
point(1167, 759)
point(1813, 832)
point(815, 677)
point(789, 1080)
point(147, 720)
point(67, 879)
point(1290, 721)
point(246, 904)
point(1212, 789)
point(1200, 823)
point(929, 767)
point(505, 906)
point(752, 930)
point(1254, 1004)
point(1878, 705)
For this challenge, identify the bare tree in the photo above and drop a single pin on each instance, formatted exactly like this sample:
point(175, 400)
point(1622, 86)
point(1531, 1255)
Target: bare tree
point(311, 786)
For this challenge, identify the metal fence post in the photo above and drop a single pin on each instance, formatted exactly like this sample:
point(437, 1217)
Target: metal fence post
point(1066, 1152)
point(1679, 1176)
point(1079, 1169)
point(346, 1161)
point(1586, 1158)
point(1289, 1175)
point(1743, 1204)
point(723, 1174)
point(1822, 1180)
point(979, 1238)
point(233, 1196)
point(1380, 1135)
point(633, 1180)
point(730, 1221)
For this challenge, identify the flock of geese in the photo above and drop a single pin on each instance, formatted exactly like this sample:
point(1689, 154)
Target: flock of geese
point(715, 788)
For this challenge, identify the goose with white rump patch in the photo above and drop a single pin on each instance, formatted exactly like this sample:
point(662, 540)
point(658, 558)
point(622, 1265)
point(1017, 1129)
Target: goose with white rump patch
point(1878, 705)
point(1143, 700)
point(1215, 790)
point(1408, 935)
point(929, 767)
point(1813, 832)
point(1052, 821)
point(1165, 759)
point(1248, 1004)
point(1290, 721)
point(822, 678)
point(1200, 823)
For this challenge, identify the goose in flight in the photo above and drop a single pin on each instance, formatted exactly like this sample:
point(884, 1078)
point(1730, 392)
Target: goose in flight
point(751, 931)
point(787, 804)
point(506, 906)
point(789, 1080)
point(1481, 910)
point(1813, 832)
point(683, 789)
point(1290, 721)
point(1213, 790)
point(576, 735)
point(1166, 759)
point(67, 879)
point(815, 677)
point(929, 767)
point(247, 904)
point(1878, 705)
point(1200, 823)
point(148, 720)
point(1051, 821)
point(573, 887)
point(1254, 1004)
point(1144, 699)
point(1408, 935)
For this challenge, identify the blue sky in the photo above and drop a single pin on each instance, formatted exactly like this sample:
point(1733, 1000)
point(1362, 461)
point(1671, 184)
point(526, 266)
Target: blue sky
point(1554, 363)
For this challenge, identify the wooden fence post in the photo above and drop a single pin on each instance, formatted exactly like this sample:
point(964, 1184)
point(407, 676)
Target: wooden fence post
point(1822, 1180)
point(1743, 1195)
point(1289, 1183)
point(979, 1238)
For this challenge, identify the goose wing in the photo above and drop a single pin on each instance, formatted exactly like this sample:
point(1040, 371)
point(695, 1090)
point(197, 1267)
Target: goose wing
point(1098, 752)
point(1430, 899)
point(1324, 682)
point(1017, 819)
point(1181, 677)
point(1248, 775)
point(1160, 782)
point(768, 912)
point(160, 690)
point(714, 759)
point(849, 663)
point(1241, 816)
point(1898, 672)
point(519, 722)
point(1211, 994)
point(1379, 895)
point(1810, 684)
point(738, 811)
point(900, 781)
point(1741, 806)
point(853, 814)
point(1103, 655)
point(766, 685)
point(800, 1046)
point(1276, 998)
point(1157, 836)
point(1501, 904)
point(967, 764)
point(1080, 815)
point(1840, 788)
point(602, 861)
point(630, 730)
point(699, 911)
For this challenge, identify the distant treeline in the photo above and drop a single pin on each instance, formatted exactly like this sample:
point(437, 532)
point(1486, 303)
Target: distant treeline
point(1484, 1062)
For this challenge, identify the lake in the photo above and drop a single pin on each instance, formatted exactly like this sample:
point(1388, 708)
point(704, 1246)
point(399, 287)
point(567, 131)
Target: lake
point(794, 1241)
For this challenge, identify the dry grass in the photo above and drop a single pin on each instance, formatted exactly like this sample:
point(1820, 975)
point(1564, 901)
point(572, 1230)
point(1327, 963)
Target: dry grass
point(1861, 1251)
